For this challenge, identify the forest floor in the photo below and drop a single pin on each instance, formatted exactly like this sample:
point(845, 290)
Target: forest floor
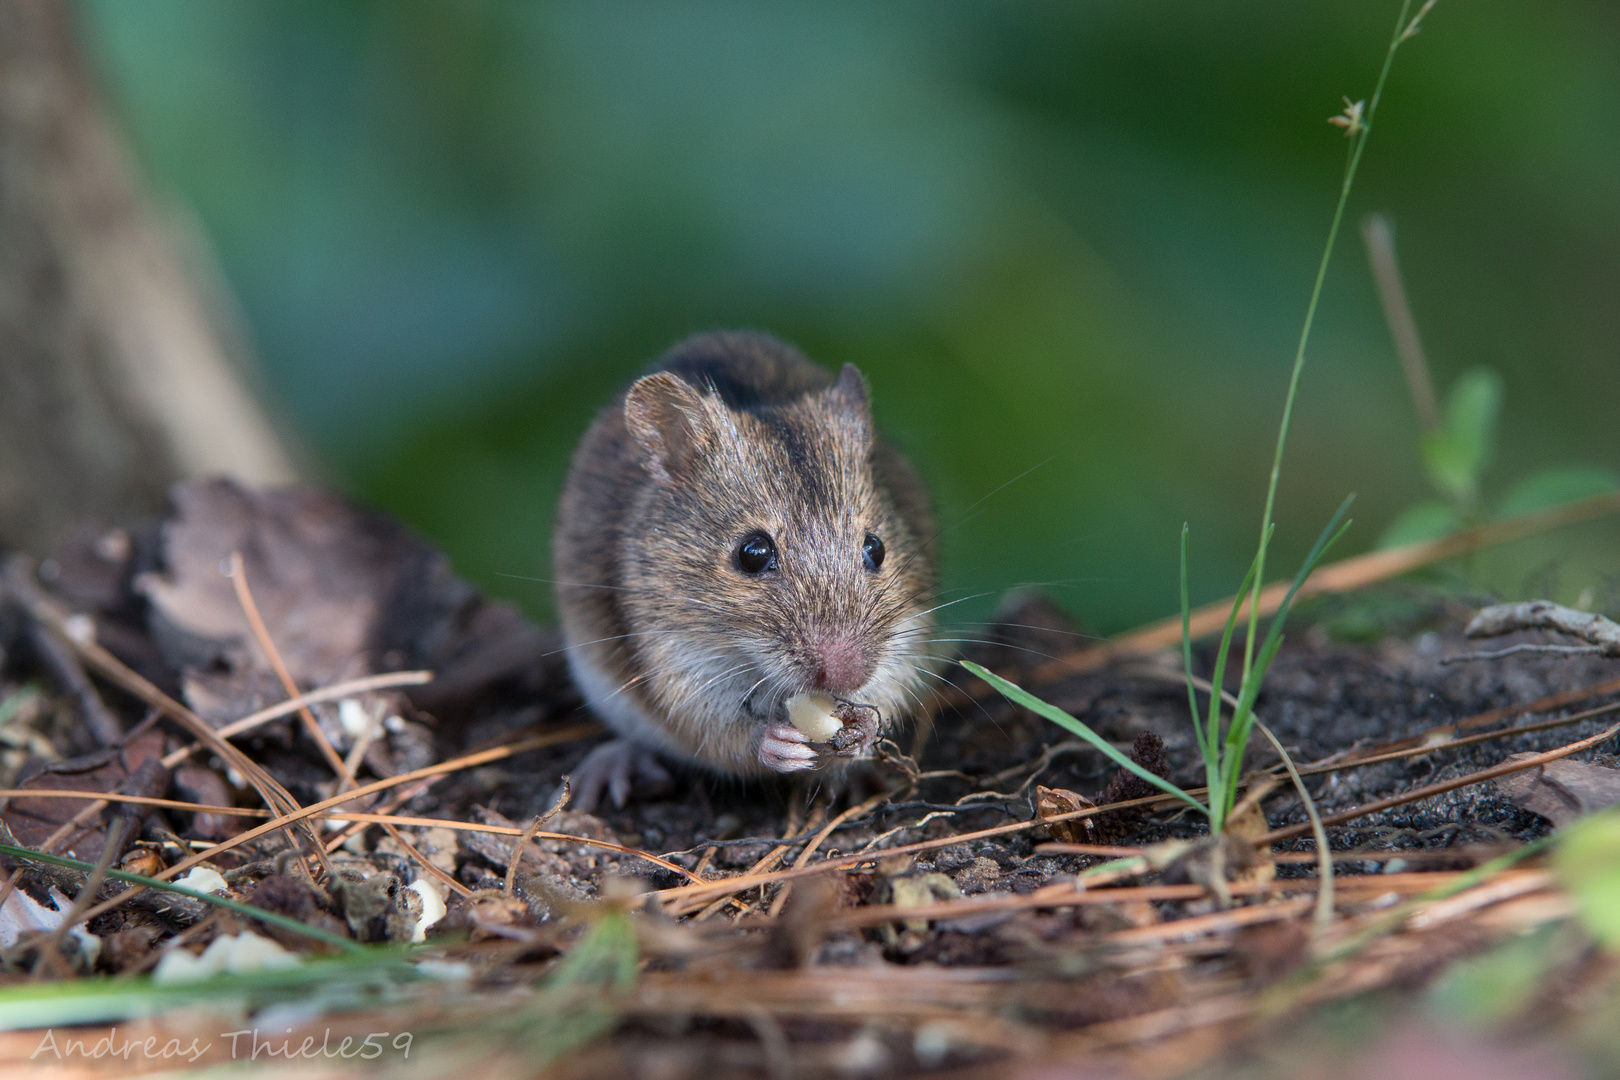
point(925, 918)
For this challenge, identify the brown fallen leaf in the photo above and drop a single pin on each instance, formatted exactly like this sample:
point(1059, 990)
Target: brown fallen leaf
point(33, 818)
point(1562, 790)
point(344, 592)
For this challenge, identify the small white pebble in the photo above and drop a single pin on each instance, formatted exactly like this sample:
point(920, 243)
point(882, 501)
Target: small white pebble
point(234, 955)
point(89, 946)
point(81, 629)
point(1395, 866)
point(930, 1045)
point(203, 879)
point(433, 908)
point(812, 714)
point(446, 970)
point(353, 716)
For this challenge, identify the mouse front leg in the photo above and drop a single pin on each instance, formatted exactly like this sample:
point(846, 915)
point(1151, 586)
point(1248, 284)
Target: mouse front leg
point(784, 748)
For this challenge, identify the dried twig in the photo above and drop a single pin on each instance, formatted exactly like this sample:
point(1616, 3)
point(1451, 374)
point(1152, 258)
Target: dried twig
point(1342, 576)
point(267, 645)
point(1379, 236)
point(682, 896)
point(433, 869)
point(358, 817)
point(816, 842)
point(1449, 731)
point(1603, 634)
point(1452, 744)
point(57, 656)
point(522, 845)
point(1515, 650)
point(1065, 894)
point(1505, 769)
point(87, 893)
point(20, 580)
point(305, 813)
point(760, 867)
point(133, 800)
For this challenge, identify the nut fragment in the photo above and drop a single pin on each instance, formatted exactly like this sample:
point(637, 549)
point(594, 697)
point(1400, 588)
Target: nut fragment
point(813, 715)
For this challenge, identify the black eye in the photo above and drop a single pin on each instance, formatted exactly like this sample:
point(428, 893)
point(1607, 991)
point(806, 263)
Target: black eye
point(872, 552)
point(756, 554)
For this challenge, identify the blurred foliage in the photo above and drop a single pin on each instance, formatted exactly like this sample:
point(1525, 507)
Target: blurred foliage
point(1456, 456)
point(1070, 244)
point(1587, 862)
point(1500, 983)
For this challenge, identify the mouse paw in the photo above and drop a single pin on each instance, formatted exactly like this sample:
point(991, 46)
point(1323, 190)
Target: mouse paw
point(785, 748)
point(619, 767)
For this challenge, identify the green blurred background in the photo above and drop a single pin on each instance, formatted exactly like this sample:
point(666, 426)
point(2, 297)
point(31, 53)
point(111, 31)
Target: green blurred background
point(1069, 243)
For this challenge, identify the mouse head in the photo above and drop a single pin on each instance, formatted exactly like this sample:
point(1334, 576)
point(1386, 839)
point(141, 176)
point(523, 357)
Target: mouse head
point(772, 544)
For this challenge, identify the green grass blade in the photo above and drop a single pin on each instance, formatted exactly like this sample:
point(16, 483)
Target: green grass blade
point(1213, 768)
point(261, 914)
point(582, 1000)
point(1329, 536)
point(1358, 144)
point(330, 984)
point(1205, 748)
point(1023, 697)
point(1237, 735)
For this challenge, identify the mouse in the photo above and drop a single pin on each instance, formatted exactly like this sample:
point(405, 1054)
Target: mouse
point(734, 536)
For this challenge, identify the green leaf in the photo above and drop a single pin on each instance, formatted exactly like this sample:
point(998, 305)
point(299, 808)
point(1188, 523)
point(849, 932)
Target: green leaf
point(1457, 454)
point(1588, 862)
point(1553, 487)
point(1020, 696)
point(581, 999)
point(1426, 521)
point(1496, 985)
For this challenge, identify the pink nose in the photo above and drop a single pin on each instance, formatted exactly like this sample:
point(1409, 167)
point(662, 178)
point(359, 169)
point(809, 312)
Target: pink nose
point(844, 665)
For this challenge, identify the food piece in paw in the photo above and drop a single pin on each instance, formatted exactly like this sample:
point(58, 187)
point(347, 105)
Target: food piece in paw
point(814, 715)
point(618, 767)
point(785, 748)
point(858, 732)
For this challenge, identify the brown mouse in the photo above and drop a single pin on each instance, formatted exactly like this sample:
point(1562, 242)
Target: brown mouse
point(733, 534)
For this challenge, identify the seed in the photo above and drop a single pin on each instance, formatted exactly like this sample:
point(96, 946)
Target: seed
point(813, 715)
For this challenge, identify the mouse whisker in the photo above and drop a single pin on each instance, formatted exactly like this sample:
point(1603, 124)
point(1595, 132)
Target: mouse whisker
point(979, 704)
point(724, 673)
point(615, 637)
point(994, 644)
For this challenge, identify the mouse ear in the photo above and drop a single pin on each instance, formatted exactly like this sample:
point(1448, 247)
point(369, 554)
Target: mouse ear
point(848, 394)
point(665, 415)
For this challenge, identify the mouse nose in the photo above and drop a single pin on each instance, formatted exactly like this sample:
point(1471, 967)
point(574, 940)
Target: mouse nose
point(842, 666)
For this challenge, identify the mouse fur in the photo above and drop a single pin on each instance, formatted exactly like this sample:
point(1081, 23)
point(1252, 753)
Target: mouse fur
point(683, 653)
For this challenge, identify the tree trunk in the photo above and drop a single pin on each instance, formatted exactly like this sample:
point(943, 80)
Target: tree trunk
point(115, 375)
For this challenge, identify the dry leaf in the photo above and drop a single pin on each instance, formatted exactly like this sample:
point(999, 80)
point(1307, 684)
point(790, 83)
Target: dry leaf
point(1562, 790)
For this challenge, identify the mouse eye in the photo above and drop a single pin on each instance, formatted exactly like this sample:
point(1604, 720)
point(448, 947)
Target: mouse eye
point(872, 552)
point(756, 554)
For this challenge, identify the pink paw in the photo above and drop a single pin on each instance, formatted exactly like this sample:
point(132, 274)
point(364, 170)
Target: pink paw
point(785, 748)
